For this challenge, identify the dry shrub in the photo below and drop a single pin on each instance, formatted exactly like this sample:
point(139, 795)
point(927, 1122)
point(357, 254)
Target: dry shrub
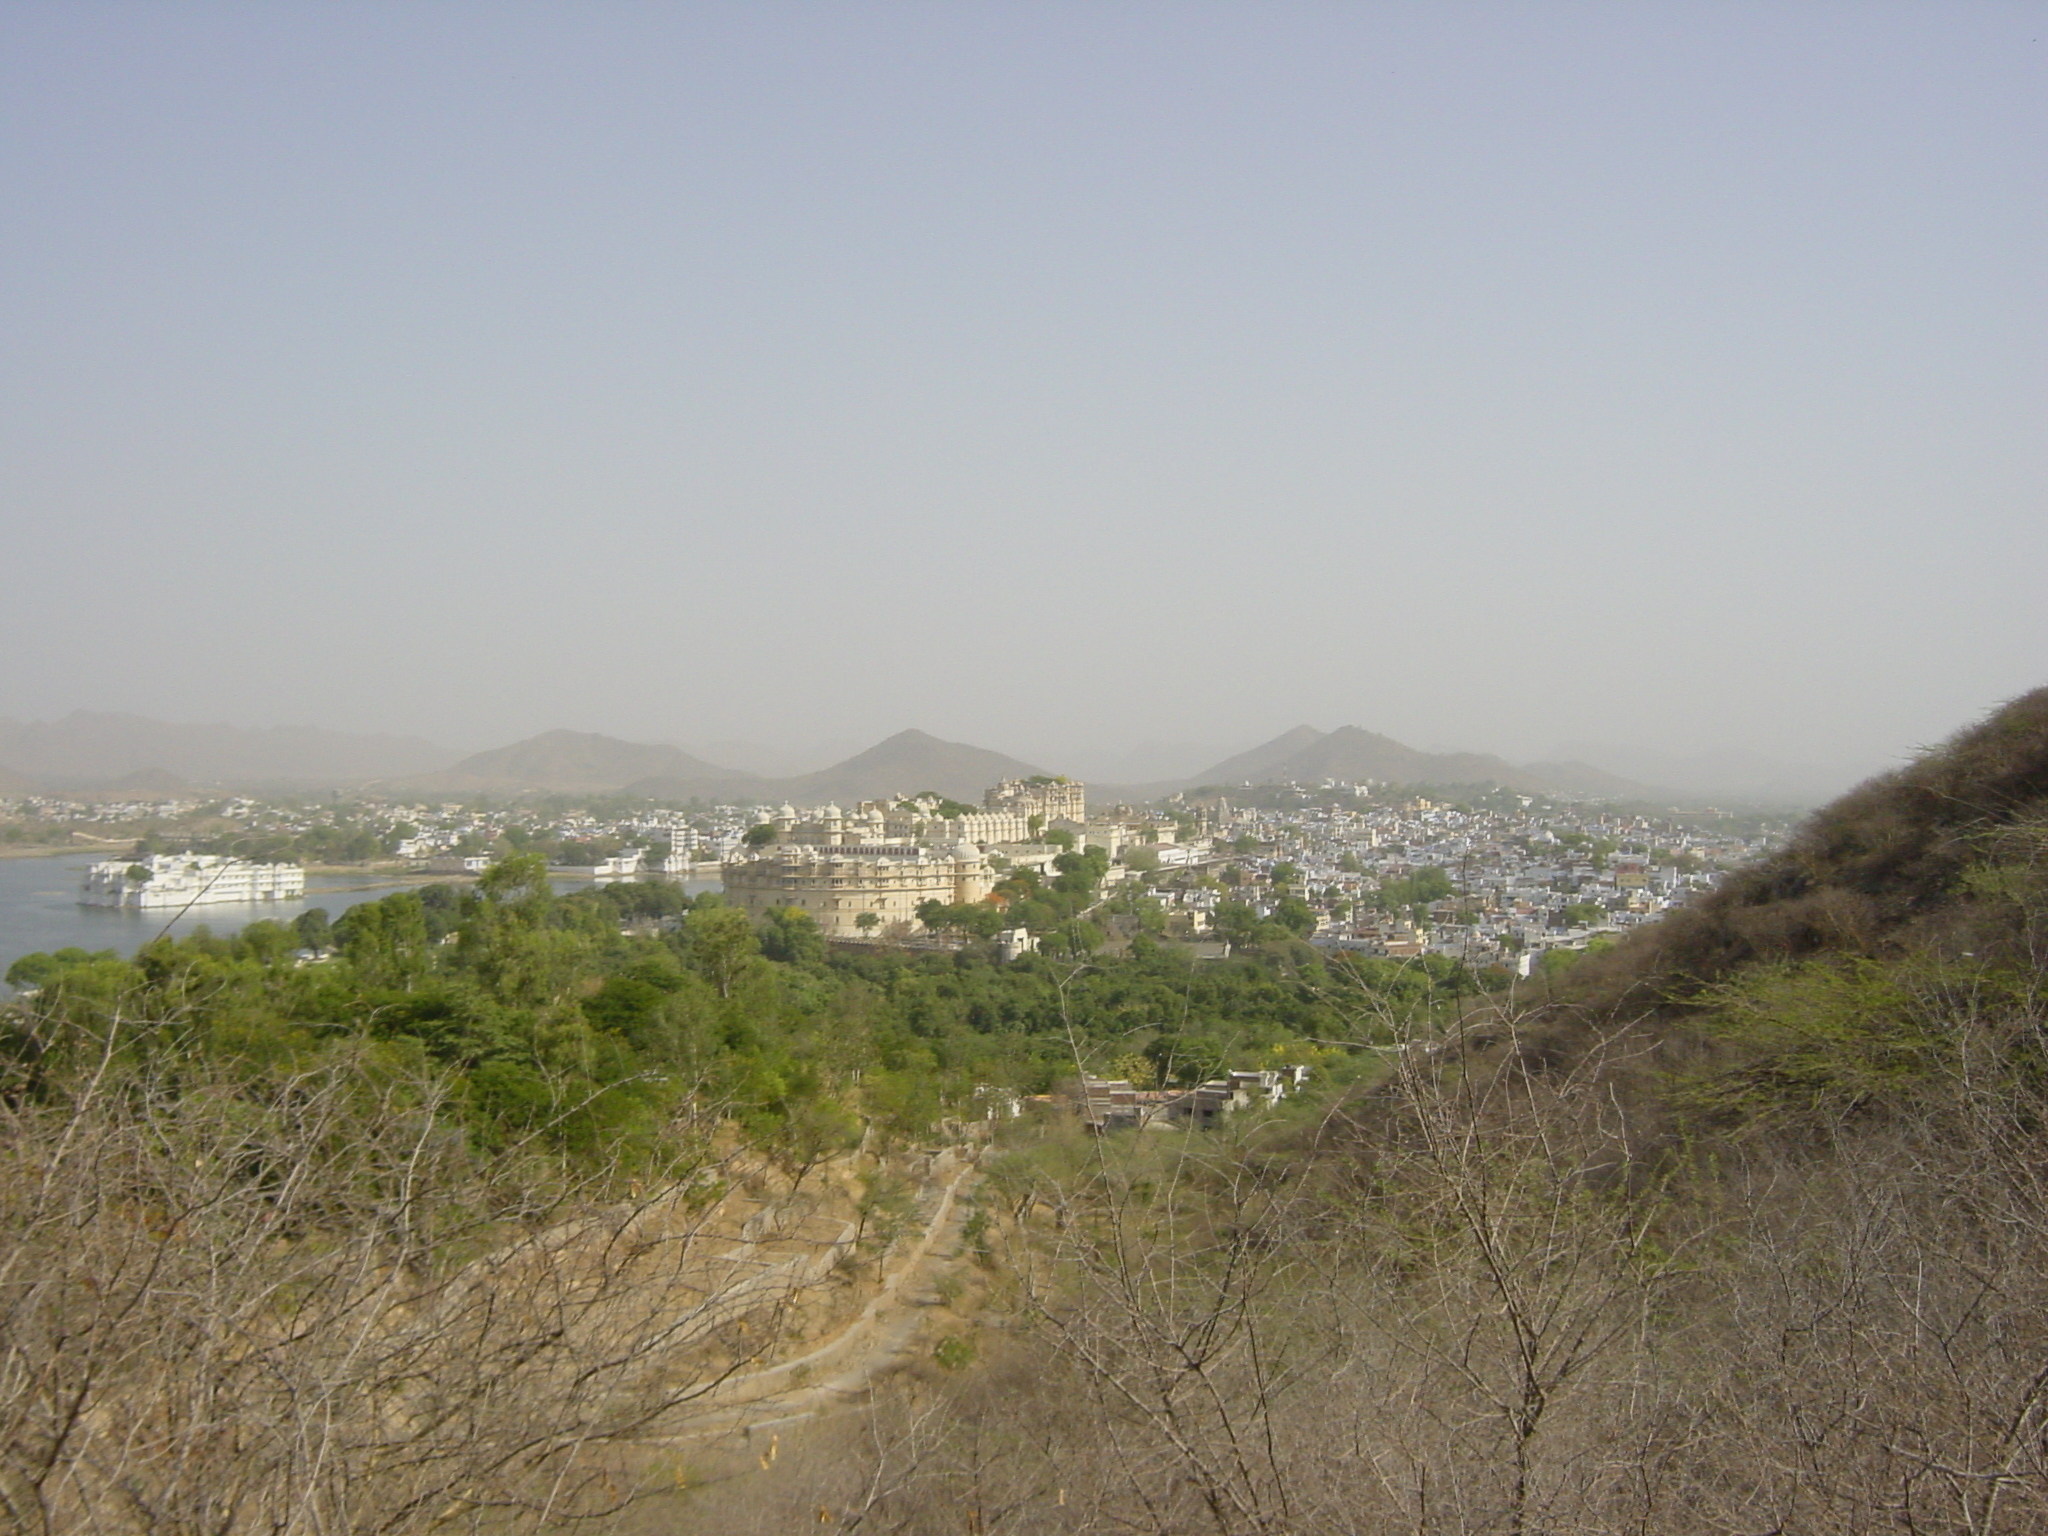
point(303, 1302)
point(1473, 1330)
point(930, 1453)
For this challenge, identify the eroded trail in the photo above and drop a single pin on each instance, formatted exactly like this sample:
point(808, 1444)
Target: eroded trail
point(839, 1370)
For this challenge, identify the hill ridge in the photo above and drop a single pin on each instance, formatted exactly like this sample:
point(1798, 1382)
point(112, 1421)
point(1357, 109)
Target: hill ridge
point(1880, 871)
point(584, 762)
point(1305, 754)
point(577, 762)
point(97, 749)
point(909, 761)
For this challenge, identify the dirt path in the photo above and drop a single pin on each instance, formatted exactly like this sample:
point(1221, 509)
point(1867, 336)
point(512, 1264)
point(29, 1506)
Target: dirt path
point(840, 1370)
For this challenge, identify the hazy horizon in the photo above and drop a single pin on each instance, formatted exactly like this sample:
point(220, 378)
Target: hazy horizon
point(1732, 772)
point(1093, 385)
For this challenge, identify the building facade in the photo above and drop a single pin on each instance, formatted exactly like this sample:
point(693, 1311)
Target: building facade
point(1050, 799)
point(922, 821)
point(885, 858)
point(836, 884)
point(189, 879)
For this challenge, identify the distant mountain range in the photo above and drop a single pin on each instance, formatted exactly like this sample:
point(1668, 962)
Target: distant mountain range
point(1732, 773)
point(573, 762)
point(117, 753)
point(576, 763)
point(908, 762)
point(1306, 755)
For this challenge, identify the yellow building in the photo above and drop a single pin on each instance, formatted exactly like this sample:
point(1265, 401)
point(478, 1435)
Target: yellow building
point(836, 884)
point(889, 857)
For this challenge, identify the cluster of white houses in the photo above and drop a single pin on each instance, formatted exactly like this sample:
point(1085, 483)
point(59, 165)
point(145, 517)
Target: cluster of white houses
point(189, 879)
point(865, 872)
point(1109, 1104)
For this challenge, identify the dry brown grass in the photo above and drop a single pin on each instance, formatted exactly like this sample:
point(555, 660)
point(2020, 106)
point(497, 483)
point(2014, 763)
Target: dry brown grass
point(1465, 1333)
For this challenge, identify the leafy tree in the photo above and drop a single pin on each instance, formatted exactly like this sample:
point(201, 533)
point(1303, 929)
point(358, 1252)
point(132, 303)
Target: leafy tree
point(1236, 924)
point(40, 969)
point(1295, 916)
point(903, 1102)
point(811, 1130)
point(386, 940)
point(626, 1005)
point(1076, 938)
point(975, 919)
point(720, 945)
point(790, 935)
point(1080, 873)
point(1188, 1057)
point(941, 805)
point(1417, 890)
point(266, 941)
point(519, 881)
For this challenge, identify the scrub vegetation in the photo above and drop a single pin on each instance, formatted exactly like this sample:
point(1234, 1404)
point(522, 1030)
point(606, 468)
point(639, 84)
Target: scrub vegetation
point(1740, 1226)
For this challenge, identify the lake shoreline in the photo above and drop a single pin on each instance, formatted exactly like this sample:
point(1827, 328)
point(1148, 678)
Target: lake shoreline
point(40, 909)
point(109, 849)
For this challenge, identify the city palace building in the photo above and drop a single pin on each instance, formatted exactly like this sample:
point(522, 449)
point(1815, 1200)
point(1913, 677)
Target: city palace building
point(884, 859)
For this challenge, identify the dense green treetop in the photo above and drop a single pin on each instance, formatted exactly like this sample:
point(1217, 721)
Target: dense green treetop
point(600, 1019)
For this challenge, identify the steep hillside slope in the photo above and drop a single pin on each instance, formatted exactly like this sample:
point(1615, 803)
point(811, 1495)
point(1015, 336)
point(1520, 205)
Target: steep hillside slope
point(1268, 760)
point(1892, 953)
point(1929, 858)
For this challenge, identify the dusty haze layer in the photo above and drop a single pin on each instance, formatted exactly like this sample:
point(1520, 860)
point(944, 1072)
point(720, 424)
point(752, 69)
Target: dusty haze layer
point(1109, 388)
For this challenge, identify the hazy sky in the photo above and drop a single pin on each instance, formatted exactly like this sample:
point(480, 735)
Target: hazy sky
point(1053, 377)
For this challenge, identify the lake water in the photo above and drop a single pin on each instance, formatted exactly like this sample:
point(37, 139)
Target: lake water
point(39, 908)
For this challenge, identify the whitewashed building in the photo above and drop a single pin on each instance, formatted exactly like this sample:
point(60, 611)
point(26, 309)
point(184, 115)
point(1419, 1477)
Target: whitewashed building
point(189, 879)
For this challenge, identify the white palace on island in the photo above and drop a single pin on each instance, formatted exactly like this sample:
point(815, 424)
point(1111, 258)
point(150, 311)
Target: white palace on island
point(189, 879)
